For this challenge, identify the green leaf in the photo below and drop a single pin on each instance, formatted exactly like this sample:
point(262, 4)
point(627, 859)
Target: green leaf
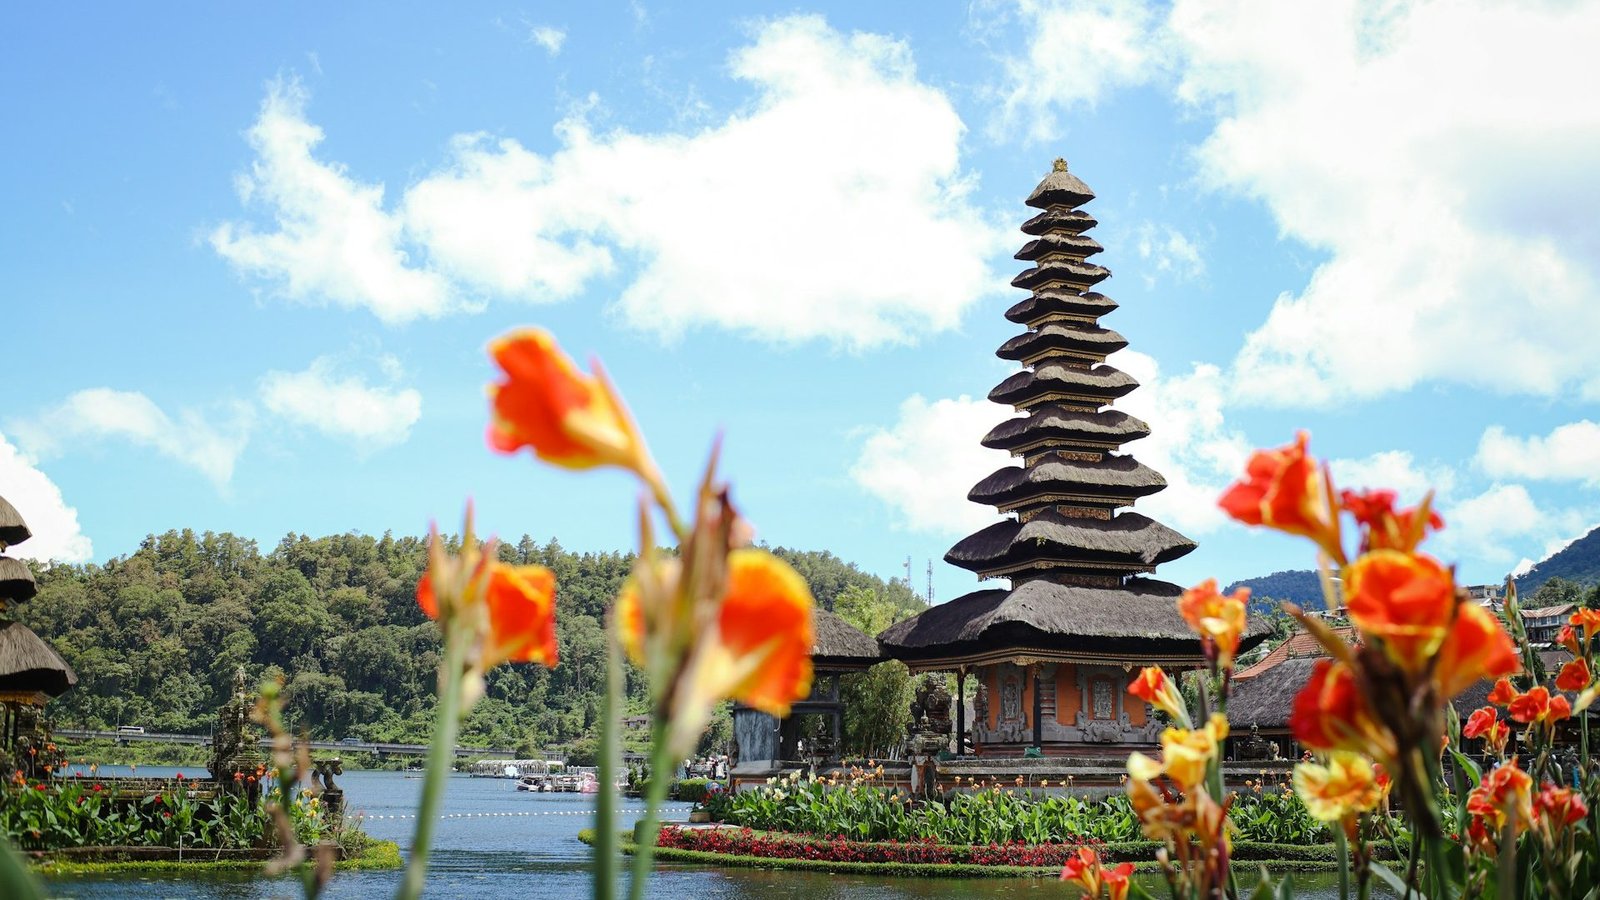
point(1395, 882)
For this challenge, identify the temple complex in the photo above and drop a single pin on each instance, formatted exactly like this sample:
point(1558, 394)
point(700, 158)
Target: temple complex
point(1053, 653)
point(31, 671)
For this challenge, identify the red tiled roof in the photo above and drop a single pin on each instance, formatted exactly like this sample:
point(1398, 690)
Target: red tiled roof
point(1301, 645)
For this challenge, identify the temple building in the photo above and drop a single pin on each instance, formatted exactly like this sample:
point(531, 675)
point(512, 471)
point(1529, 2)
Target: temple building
point(31, 671)
point(1054, 652)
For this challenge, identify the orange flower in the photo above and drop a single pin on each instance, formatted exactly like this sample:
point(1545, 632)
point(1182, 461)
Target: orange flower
point(1217, 619)
point(1186, 754)
point(1084, 870)
point(1486, 724)
point(1346, 786)
point(1502, 797)
point(569, 419)
point(1568, 639)
point(1574, 676)
point(1155, 688)
point(1537, 707)
point(754, 646)
point(1283, 489)
point(1382, 527)
point(1502, 693)
point(1475, 648)
point(1407, 600)
point(1588, 620)
point(1330, 713)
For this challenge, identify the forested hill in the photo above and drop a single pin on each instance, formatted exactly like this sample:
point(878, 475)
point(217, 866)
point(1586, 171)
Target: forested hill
point(1579, 562)
point(156, 636)
point(1302, 586)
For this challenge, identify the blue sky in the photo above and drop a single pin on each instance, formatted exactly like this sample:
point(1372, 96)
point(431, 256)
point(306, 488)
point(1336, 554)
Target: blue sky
point(252, 257)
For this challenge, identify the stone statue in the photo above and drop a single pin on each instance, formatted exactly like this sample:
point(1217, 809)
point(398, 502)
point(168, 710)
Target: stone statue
point(980, 706)
point(1254, 747)
point(1010, 701)
point(930, 706)
point(235, 744)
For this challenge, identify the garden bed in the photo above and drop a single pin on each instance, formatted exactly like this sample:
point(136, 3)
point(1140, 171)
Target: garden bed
point(74, 861)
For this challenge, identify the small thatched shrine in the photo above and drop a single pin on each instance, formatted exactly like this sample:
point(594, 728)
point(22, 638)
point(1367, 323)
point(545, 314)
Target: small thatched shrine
point(1054, 652)
point(765, 742)
point(31, 672)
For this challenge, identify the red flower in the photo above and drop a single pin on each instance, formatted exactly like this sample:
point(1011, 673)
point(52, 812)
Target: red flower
point(1538, 707)
point(1283, 489)
point(1330, 713)
point(180, 776)
point(1588, 620)
point(1567, 638)
point(1382, 527)
point(1486, 724)
point(1475, 648)
point(1503, 693)
point(1556, 808)
point(39, 787)
point(1574, 676)
point(1502, 795)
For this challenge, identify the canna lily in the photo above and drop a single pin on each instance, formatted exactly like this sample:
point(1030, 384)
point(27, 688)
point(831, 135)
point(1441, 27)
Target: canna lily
point(1567, 638)
point(1338, 791)
point(1407, 600)
point(567, 418)
point(1503, 797)
point(509, 611)
point(1284, 489)
point(1556, 808)
point(1330, 713)
point(1537, 707)
point(1186, 754)
point(1502, 693)
point(1085, 870)
point(1588, 620)
point(1474, 648)
point(1219, 620)
point(1574, 676)
point(1385, 529)
point(1155, 688)
point(1486, 724)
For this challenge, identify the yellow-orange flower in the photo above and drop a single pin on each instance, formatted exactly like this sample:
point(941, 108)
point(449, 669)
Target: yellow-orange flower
point(1345, 786)
point(1085, 870)
point(1503, 796)
point(1588, 620)
point(1283, 489)
point(568, 418)
point(1219, 620)
point(1186, 754)
point(1407, 600)
point(1330, 713)
point(1155, 688)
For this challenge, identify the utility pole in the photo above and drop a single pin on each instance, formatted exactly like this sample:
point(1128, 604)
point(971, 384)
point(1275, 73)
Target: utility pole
point(929, 598)
point(908, 575)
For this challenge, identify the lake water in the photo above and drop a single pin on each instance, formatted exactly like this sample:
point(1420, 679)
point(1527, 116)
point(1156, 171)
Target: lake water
point(506, 844)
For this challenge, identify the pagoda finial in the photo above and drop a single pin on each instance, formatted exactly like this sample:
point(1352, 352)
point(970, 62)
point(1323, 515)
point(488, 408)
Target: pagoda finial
point(1060, 165)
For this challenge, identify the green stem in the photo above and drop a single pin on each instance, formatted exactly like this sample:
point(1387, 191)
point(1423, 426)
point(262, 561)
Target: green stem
point(605, 818)
point(661, 769)
point(441, 753)
point(1343, 846)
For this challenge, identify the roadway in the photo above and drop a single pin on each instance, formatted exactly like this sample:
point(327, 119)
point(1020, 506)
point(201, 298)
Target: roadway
point(380, 748)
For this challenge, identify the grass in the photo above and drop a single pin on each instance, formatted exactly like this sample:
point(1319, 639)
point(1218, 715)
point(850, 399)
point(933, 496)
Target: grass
point(378, 855)
point(1274, 857)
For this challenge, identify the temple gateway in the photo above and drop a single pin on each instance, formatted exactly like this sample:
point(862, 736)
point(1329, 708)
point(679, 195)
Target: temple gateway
point(1053, 653)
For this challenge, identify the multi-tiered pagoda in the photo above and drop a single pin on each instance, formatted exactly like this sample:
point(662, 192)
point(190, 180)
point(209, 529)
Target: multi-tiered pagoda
point(1053, 654)
point(31, 671)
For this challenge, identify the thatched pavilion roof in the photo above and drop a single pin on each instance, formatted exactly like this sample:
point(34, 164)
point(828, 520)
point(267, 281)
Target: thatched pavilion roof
point(28, 664)
point(1065, 271)
point(1139, 619)
point(840, 645)
point(12, 529)
point(1070, 221)
point(1129, 542)
point(1104, 427)
point(16, 581)
point(1052, 301)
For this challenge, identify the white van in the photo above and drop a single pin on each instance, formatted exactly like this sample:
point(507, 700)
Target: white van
point(130, 729)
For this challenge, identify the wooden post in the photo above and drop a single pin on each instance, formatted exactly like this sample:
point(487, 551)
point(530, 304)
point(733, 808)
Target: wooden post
point(961, 712)
point(1038, 710)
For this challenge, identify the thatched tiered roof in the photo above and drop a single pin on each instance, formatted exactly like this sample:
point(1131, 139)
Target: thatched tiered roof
point(842, 646)
point(12, 529)
point(1071, 547)
point(28, 664)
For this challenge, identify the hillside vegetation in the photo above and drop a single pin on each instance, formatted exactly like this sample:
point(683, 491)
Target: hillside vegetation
point(156, 636)
point(1578, 562)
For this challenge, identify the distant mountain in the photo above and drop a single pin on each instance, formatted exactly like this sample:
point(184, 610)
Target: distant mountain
point(1301, 586)
point(1578, 561)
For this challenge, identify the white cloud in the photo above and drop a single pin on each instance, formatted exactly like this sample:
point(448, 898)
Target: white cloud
point(923, 465)
point(344, 406)
point(333, 240)
point(548, 37)
point(1486, 528)
point(106, 414)
point(1190, 443)
point(1396, 470)
point(843, 155)
point(1453, 198)
point(1570, 452)
point(1169, 252)
point(1078, 52)
point(56, 533)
